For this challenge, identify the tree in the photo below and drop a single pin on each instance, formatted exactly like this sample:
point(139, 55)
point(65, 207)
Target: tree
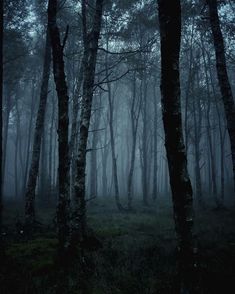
point(63, 123)
point(1, 122)
point(170, 33)
point(34, 167)
point(90, 41)
point(111, 99)
point(222, 74)
point(135, 107)
point(155, 144)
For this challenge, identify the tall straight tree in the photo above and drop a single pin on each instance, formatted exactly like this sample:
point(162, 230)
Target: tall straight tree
point(90, 40)
point(1, 101)
point(170, 33)
point(34, 166)
point(225, 88)
point(63, 123)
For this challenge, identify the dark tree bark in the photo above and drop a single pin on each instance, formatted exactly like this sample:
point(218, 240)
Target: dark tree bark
point(34, 166)
point(222, 74)
point(90, 54)
point(51, 149)
point(63, 124)
point(1, 122)
point(170, 32)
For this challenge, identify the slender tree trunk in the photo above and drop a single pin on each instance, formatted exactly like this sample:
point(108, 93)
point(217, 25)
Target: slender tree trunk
point(51, 149)
point(93, 158)
point(222, 135)
point(135, 114)
point(144, 147)
point(1, 118)
point(112, 136)
point(16, 155)
point(27, 151)
point(113, 151)
point(19, 151)
point(6, 117)
point(63, 124)
point(208, 127)
point(34, 166)
point(187, 92)
point(170, 32)
point(222, 74)
point(155, 147)
point(105, 153)
point(197, 139)
point(43, 169)
point(90, 55)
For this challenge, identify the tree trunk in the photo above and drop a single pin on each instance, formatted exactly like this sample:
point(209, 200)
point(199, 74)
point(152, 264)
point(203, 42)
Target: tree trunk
point(222, 74)
point(170, 32)
point(93, 158)
point(105, 153)
point(34, 166)
point(29, 135)
point(63, 124)
point(112, 135)
point(16, 155)
point(1, 110)
point(222, 135)
point(197, 126)
point(51, 149)
point(208, 127)
point(155, 147)
point(90, 55)
point(42, 183)
point(135, 113)
point(75, 125)
point(144, 147)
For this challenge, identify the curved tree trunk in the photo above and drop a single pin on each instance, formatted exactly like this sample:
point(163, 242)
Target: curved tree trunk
point(170, 31)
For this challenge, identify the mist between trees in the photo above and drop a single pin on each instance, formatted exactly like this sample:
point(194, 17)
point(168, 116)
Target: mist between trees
point(126, 103)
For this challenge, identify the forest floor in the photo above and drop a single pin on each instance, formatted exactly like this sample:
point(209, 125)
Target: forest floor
point(137, 255)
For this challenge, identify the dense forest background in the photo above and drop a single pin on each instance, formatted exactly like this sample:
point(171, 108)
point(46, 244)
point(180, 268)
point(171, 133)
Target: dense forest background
point(93, 149)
